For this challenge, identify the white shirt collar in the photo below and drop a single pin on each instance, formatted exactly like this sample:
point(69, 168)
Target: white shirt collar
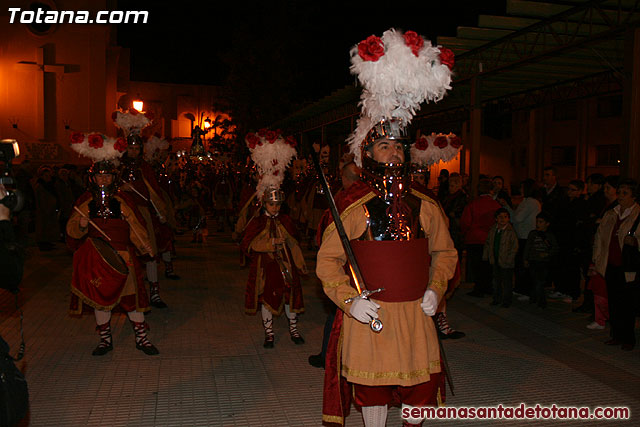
point(622, 215)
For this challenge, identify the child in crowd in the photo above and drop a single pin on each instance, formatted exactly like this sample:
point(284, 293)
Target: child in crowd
point(539, 252)
point(500, 250)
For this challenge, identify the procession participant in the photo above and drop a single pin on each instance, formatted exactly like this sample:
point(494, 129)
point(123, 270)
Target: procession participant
point(141, 185)
point(398, 72)
point(249, 207)
point(223, 199)
point(429, 150)
point(315, 203)
point(271, 241)
point(106, 229)
point(155, 154)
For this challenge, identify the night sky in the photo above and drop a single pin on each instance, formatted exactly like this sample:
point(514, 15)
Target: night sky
point(295, 51)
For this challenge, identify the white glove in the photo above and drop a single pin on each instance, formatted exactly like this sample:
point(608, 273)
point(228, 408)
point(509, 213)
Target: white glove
point(429, 302)
point(363, 310)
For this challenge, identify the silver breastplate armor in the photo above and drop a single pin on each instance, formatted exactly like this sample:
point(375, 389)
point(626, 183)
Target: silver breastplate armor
point(104, 205)
point(383, 224)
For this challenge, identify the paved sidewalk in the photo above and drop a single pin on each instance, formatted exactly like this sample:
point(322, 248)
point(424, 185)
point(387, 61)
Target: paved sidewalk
point(213, 371)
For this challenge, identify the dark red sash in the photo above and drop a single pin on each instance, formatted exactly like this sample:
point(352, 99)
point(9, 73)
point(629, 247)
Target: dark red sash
point(400, 267)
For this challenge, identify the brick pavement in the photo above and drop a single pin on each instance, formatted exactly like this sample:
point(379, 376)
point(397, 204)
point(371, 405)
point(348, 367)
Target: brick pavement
point(213, 370)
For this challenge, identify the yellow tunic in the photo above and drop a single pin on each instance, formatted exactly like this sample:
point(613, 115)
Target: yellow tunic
point(406, 351)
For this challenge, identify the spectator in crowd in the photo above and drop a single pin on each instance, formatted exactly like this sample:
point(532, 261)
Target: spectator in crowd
point(500, 250)
point(477, 218)
point(453, 207)
point(616, 257)
point(524, 221)
point(594, 205)
point(65, 197)
point(610, 191)
point(443, 184)
point(540, 250)
point(499, 192)
point(568, 285)
point(47, 227)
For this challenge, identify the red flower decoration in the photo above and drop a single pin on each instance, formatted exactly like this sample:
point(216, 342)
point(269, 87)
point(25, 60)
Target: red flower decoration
point(274, 162)
point(114, 116)
point(149, 115)
point(441, 142)
point(262, 132)
point(291, 141)
point(77, 137)
point(371, 49)
point(271, 136)
point(447, 57)
point(133, 112)
point(414, 41)
point(422, 143)
point(120, 145)
point(276, 173)
point(96, 140)
point(455, 142)
point(252, 140)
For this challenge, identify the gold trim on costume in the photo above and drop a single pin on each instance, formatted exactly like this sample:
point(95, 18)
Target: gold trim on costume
point(331, 285)
point(434, 364)
point(439, 286)
point(333, 419)
point(347, 211)
point(423, 196)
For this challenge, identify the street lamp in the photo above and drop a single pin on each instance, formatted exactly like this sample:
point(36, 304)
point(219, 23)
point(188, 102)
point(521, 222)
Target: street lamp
point(138, 104)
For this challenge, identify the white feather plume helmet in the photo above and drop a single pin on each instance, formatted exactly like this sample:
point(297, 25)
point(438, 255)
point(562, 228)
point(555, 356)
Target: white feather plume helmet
point(131, 121)
point(429, 150)
point(272, 153)
point(153, 145)
point(97, 146)
point(398, 72)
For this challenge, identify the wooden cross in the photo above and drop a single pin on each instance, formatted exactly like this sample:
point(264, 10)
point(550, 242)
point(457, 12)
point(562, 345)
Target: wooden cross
point(46, 108)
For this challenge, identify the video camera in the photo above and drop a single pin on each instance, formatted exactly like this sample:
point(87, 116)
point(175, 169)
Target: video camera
point(13, 199)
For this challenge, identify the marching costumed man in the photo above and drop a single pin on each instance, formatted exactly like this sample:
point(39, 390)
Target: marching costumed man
point(155, 154)
point(271, 241)
point(429, 150)
point(107, 230)
point(315, 202)
point(142, 186)
point(408, 274)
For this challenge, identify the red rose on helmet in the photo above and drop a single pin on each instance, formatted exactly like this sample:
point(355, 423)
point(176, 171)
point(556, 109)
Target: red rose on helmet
point(276, 173)
point(447, 57)
point(133, 112)
point(441, 142)
point(96, 140)
point(77, 137)
point(422, 143)
point(252, 140)
point(414, 41)
point(455, 142)
point(271, 136)
point(291, 141)
point(371, 49)
point(114, 116)
point(262, 132)
point(120, 145)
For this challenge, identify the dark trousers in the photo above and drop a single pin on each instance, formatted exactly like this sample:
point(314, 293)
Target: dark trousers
point(523, 279)
point(502, 285)
point(621, 305)
point(539, 271)
point(328, 325)
point(479, 269)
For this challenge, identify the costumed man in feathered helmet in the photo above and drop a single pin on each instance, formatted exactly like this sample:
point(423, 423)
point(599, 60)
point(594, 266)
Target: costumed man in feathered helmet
point(140, 183)
point(107, 230)
point(398, 72)
point(271, 241)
